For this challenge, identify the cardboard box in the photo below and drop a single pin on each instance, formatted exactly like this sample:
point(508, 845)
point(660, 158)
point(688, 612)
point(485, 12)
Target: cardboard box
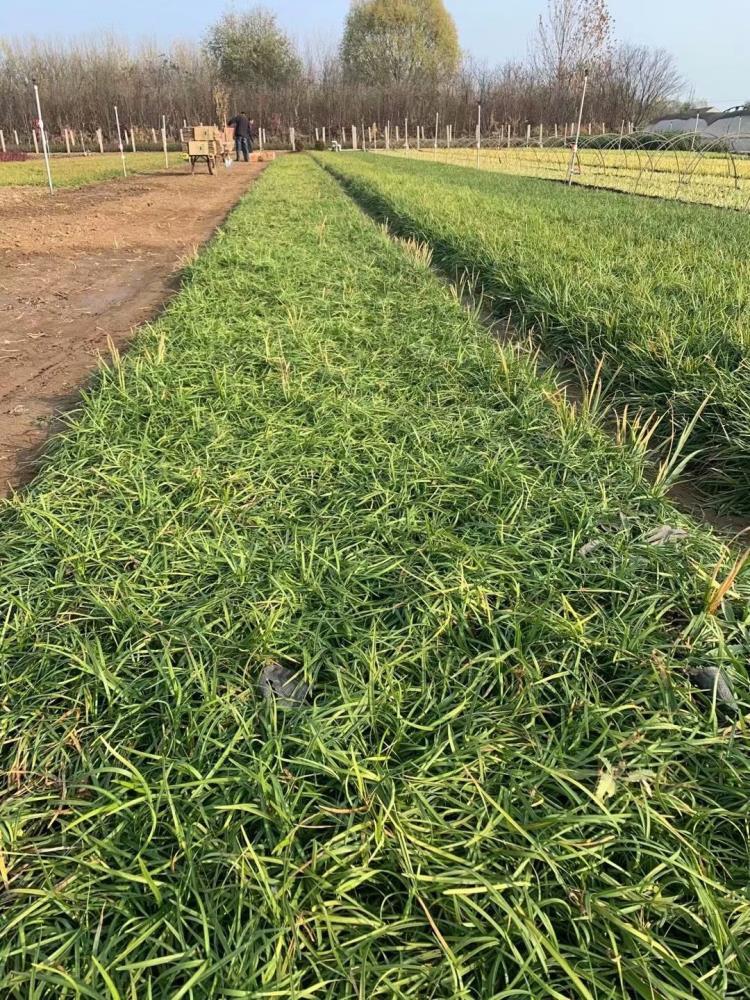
point(201, 147)
point(202, 132)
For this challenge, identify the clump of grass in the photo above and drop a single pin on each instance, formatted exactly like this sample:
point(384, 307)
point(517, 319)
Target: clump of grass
point(657, 293)
point(501, 781)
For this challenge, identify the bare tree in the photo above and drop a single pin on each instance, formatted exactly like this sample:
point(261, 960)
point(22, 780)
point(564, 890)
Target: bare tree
point(642, 81)
point(571, 35)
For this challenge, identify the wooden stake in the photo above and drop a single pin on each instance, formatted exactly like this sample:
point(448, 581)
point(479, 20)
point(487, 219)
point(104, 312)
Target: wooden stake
point(574, 150)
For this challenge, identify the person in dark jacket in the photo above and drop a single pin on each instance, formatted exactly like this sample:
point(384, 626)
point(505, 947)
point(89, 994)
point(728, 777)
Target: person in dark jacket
point(243, 136)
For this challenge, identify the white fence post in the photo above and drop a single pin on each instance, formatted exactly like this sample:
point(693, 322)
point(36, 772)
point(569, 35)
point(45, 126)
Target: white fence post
point(164, 139)
point(44, 136)
point(2, 141)
point(479, 132)
point(354, 137)
point(66, 136)
point(406, 133)
point(100, 140)
point(119, 142)
point(36, 144)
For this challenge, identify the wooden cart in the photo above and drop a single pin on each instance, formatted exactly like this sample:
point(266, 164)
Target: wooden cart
point(203, 143)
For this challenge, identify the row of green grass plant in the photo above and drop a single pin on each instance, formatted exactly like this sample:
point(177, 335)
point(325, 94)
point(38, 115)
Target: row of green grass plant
point(78, 171)
point(657, 291)
point(503, 782)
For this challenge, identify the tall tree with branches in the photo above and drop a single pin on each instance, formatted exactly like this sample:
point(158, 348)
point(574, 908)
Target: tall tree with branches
point(389, 42)
point(250, 48)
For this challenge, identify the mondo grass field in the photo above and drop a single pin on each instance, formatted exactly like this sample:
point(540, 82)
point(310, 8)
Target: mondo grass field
point(657, 293)
point(503, 780)
point(77, 171)
point(703, 177)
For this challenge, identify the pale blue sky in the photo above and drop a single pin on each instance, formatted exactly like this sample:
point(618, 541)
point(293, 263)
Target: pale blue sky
point(709, 40)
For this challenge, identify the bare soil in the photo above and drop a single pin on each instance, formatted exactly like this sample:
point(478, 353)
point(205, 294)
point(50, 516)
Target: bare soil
point(83, 267)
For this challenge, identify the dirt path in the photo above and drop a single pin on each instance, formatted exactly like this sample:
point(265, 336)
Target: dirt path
point(79, 268)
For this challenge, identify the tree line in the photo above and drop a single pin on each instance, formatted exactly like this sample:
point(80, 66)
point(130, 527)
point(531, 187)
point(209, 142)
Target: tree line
point(396, 59)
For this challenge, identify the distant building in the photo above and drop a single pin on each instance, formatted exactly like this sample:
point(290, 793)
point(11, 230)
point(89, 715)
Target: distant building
point(710, 123)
